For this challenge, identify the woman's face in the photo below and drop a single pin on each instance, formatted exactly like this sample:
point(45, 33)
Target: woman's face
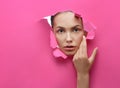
point(68, 31)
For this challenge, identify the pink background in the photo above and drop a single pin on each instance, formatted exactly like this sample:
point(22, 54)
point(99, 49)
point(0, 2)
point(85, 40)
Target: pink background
point(26, 60)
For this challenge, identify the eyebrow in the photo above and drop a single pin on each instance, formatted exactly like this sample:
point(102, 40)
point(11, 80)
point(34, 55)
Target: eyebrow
point(71, 27)
point(76, 26)
point(59, 27)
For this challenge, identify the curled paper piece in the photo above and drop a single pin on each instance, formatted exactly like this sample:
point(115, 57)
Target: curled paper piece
point(58, 53)
point(88, 27)
point(48, 18)
point(53, 42)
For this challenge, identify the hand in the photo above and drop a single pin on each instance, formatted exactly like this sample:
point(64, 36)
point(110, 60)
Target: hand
point(81, 61)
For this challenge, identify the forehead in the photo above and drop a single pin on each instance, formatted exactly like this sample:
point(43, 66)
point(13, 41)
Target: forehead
point(67, 19)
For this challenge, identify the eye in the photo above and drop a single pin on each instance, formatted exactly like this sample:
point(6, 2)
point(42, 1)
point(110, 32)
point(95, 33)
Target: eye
point(60, 30)
point(76, 29)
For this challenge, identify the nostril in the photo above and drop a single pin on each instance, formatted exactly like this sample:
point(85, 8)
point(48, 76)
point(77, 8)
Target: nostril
point(69, 41)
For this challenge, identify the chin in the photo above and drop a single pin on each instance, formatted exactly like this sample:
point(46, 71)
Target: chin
point(70, 53)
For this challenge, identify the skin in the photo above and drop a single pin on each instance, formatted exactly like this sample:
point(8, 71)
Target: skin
point(69, 34)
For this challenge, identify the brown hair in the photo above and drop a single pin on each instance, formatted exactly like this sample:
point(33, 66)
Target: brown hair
point(53, 17)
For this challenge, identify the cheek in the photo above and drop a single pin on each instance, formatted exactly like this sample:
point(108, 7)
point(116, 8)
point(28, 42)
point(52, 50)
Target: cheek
point(59, 40)
point(78, 39)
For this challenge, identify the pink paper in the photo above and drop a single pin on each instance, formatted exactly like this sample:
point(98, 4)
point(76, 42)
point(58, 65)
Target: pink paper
point(25, 57)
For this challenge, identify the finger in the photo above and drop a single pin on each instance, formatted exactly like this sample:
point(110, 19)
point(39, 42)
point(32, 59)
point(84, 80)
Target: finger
point(83, 47)
point(76, 55)
point(92, 57)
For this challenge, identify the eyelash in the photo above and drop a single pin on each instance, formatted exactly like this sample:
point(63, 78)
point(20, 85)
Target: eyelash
point(76, 29)
point(60, 30)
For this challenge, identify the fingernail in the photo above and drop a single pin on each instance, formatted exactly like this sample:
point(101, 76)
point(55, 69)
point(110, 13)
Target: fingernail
point(96, 48)
point(83, 36)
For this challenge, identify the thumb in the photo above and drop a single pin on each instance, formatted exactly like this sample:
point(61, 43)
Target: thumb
point(92, 57)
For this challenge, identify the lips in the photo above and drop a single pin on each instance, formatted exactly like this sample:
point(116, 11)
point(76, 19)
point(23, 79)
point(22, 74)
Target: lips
point(69, 48)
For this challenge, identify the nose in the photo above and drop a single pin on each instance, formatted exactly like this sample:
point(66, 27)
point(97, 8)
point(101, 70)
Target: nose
point(68, 38)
